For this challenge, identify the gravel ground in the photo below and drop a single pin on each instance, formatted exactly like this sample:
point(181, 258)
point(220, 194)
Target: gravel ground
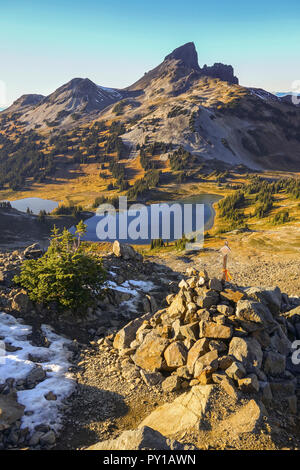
point(247, 269)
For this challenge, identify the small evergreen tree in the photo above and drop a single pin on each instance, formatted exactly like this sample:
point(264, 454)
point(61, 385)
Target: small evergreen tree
point(65, 274)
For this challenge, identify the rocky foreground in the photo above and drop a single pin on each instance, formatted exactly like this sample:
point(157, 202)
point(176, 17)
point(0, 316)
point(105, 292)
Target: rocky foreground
point(159, 363)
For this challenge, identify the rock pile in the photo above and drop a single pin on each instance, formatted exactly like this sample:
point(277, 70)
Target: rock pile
point(210, 334)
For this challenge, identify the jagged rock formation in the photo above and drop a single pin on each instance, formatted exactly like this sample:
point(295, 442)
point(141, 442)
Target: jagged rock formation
point(187, 54)
point(221, 71)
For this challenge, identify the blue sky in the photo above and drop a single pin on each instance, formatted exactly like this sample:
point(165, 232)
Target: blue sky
point(45, 44)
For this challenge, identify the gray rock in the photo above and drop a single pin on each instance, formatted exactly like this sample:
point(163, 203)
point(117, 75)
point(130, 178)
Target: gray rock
point(35, 438)
point(274, 363)
point(270, 297)
point(144, 438)
point(215, 284)
point(251, 311)
point(247, 351)
point(48, 439)
point(35, 376)
point(126, 252)
point(126, 335)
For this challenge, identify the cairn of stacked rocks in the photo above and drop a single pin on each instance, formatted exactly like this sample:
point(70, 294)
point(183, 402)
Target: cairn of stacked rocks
point(215, 334)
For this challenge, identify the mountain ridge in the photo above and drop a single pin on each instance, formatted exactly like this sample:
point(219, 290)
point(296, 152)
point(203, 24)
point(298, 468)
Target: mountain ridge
point(203, 110)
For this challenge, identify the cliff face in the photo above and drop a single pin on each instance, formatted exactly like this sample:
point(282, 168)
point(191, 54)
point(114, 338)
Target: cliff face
point(221, 71)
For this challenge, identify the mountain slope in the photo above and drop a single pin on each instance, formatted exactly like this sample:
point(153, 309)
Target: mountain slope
point(178, 103)
point(74, 100)
point(24, 103)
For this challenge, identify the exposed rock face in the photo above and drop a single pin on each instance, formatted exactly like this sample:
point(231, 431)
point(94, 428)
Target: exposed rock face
point(221, 71)
point(187, 54)
point(25, 101)
point(269, 297)
point(144, 438)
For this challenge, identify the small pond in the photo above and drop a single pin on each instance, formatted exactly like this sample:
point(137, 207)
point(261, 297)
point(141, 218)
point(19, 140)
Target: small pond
point(35, 204)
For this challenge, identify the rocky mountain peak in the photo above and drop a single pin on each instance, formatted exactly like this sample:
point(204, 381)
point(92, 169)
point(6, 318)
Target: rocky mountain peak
point(221, 71)
point(187, 54)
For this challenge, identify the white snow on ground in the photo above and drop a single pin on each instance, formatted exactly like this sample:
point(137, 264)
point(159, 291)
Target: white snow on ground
point(127, 287)
point(110, 91)
point(144, 286)
point(121, 288)
point(55, 362)
point(262, 94)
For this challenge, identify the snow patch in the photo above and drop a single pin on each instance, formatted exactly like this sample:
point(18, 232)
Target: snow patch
point(110, 91)
point(263, 94)
point(55, 362)
point(135, 289)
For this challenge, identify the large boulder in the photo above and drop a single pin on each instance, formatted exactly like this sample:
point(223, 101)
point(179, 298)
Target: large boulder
point(143, 438)
point(126, 252)
point(269, 297)
point(251, 311)
point(127, 334)
point(185, 413)
point(247, 351)
point(175, 354)
point(148, 356)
